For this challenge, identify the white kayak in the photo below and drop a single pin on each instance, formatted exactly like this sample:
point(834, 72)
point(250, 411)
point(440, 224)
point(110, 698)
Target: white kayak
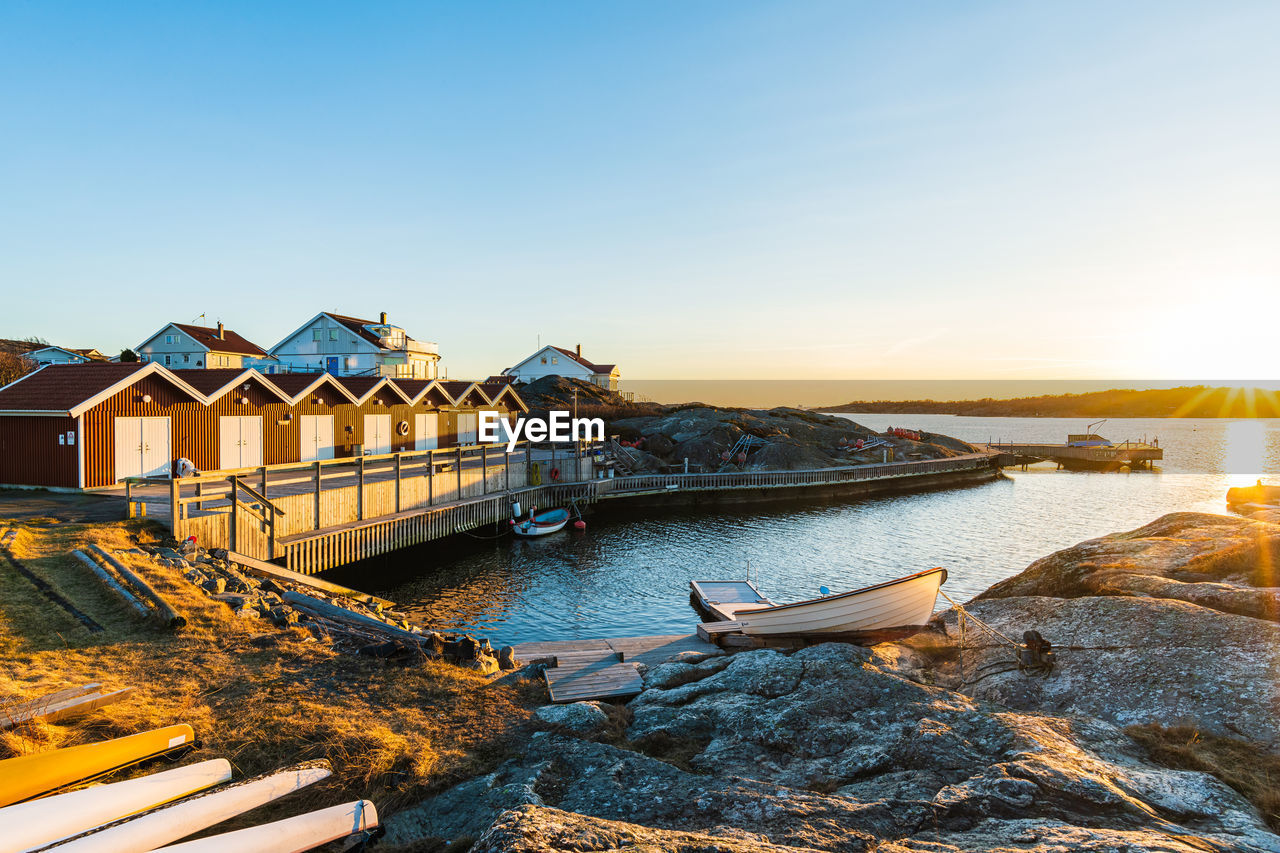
point(292, 835)
point(31, 824)
point(901, 602)
point(170, 823)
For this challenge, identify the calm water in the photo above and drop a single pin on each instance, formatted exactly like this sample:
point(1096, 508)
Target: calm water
point(628, 572)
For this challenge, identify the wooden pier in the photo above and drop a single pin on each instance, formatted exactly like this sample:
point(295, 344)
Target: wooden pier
point(579, 670)
point(320, 515)
point(1110, 457)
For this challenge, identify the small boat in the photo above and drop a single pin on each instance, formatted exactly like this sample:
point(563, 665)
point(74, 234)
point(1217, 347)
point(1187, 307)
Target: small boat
point(291, 835)
point(30, 776)
point(169, 823)
point(897, 603)
point(540, 523)
point(38, 822)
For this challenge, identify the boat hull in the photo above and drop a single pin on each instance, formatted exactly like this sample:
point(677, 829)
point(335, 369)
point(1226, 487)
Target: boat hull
point(905, 601)
point(541, 524)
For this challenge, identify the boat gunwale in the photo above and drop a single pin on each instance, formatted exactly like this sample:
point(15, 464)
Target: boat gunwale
point(865, 589)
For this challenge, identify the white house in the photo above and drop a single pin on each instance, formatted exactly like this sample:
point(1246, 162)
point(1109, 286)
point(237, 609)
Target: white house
point(63, 355)
point(182, 346)
point(558, 361)
point(349, 346)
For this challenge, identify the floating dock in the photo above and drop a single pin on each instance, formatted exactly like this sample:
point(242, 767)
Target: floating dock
point(1109, 457)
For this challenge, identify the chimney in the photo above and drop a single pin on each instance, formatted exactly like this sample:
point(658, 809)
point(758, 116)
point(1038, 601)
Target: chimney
point(579, 350)
point(221, 337)
point(382, 318)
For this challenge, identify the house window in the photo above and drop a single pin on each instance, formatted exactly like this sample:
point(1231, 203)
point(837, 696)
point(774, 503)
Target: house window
point(168, 339)
point(544, 359)
point(166, 361)
point(186, 357)
point(333, 334)
point(315, 334)
point(555, 360)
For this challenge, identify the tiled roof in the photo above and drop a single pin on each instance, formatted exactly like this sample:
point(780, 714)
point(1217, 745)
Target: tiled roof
point(229, 342)
point(61, 387)
point(359, 385)
point(208, 381)
point(293, 383)
point(594, 368)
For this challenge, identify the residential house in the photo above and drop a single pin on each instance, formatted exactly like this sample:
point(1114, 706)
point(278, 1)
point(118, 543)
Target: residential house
point(63, 355)
point(348, 346)
point(558, 361)
point(182, 346)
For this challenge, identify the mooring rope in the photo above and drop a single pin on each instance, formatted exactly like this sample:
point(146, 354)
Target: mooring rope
point(965, 613)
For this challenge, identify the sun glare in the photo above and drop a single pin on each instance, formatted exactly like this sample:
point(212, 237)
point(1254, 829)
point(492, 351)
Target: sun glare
point(1245, 451)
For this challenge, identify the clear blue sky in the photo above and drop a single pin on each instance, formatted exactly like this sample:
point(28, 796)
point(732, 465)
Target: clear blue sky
point(706, 189)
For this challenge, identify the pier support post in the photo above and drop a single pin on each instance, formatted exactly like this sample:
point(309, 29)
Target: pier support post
point(175, 508)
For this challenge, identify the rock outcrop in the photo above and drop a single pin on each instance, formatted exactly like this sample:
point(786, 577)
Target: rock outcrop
point(937, 743)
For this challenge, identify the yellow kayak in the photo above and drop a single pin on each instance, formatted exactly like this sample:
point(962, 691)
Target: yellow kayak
point(30, 776)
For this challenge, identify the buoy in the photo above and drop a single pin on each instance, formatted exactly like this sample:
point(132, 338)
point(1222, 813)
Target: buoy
point(580, 525)
point(742, 457)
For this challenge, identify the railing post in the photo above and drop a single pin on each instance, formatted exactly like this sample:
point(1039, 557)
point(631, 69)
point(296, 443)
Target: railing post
point(431, 477)
point(233, 531)
point(264, 481)
point(528, 464)
point(484, 469)
point(506, 466)
point(458, 496)
point(360, 488)
point(175, 509)
point(397, 482)
point(317, 519)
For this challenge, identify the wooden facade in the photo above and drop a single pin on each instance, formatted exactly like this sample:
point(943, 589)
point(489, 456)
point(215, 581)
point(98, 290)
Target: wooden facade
point(78, 447)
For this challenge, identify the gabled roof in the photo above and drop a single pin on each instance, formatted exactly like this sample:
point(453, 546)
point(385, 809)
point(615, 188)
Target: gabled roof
point(509, 393)
point(216, 382)
point(355, 325)
point(605, 369)
point(91, 354)
point(297, 386)
point(416, 389)
point(365, 387)
point(498, 379)
point(208, 338)
point(72, 389)
point(595, 368)
point(459, 391)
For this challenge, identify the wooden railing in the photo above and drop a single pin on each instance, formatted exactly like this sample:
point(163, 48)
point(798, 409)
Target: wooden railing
point(808, 477)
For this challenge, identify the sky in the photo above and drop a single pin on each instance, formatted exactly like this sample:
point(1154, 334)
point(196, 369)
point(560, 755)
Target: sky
point(706, 190)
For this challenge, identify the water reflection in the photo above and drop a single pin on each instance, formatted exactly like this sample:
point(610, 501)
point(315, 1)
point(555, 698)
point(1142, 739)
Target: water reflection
point(628, 572)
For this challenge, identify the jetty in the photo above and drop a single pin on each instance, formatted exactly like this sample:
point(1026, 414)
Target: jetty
point(577, 670)
point(314, 516)
point(1107, 457)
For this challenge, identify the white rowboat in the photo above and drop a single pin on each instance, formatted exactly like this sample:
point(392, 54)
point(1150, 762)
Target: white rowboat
point(31, 824)
point(897, 603)
point(170, 823)
point(292, 835)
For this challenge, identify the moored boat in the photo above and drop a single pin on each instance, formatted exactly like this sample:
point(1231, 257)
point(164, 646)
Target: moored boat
point(901, 602)
point(540, 523)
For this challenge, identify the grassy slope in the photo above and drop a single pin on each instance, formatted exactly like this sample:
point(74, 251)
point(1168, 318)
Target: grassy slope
point(256, 695)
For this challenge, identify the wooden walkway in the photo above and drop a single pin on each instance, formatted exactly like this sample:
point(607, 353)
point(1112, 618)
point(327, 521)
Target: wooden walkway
point(606, 669)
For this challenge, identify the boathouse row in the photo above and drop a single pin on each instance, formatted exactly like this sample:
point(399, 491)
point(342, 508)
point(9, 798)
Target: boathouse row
point(86, 426)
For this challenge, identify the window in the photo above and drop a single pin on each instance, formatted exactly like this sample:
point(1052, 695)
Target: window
point(166, 361)
point(315, 334)
point(168, 339)
point(544, 359)
point(333, 334)
point(555, 360)
point(186, 357)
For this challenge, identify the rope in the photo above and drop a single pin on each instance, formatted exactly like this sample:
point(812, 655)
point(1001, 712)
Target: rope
point(960, 609)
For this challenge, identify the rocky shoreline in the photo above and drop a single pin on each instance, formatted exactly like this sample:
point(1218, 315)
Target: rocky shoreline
point(936, 743)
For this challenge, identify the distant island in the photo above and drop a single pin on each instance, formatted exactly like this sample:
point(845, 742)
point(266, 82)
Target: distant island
point(1191, 401)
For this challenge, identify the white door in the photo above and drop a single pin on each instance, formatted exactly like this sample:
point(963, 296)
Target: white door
point(426, 431)
point(239, 442)
point(142, 448)
point(377, 433)
point(468, 428)
point(157, 461)
point(316, 438)
point(128, 448)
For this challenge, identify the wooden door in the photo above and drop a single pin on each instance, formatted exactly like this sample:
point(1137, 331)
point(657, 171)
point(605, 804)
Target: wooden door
point(426, 431)
point(315, 437)
point(377, 434)
point(468, 428)
point(128, 448)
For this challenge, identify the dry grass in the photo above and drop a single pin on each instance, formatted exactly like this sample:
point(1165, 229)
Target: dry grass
point(257, 695)
point(1252, 772)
